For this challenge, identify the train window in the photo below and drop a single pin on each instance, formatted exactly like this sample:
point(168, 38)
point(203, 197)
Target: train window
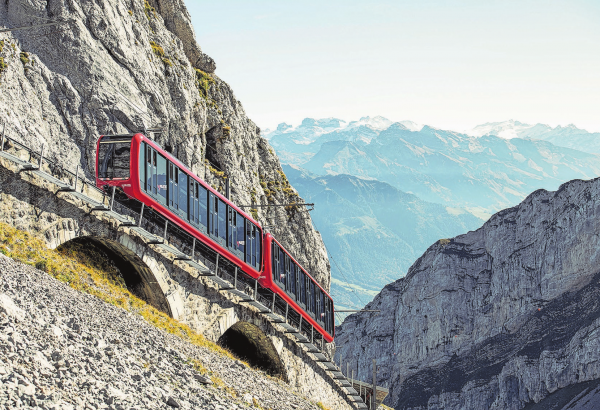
point(317, 300)
point(292, 278)
point(193, 201)
point(202, 202)
point(142, 166)
point(151, 170)
point(311, 297)
point(114, 156)
point(282, 277)
point(183, 192)
point(161, 178)
point(173, 186)
point(230, 227)
point(222, 220)
point(241, 241)
point(275, 262)
point(250, 244)
point(212, 213)
point(288, 283)
point(258, 247)
point(322, 306)
point(302, 286)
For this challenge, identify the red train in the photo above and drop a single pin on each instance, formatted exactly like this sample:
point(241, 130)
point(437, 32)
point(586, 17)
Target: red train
point(140, 169)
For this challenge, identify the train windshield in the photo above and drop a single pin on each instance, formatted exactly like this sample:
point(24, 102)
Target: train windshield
point(113, 157)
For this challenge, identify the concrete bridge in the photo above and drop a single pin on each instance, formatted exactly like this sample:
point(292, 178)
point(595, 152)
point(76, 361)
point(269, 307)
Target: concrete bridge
point(168, 271)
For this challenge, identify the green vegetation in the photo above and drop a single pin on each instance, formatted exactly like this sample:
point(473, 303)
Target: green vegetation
point(203, 82)
point(321, 406)
point(1, 45)
point(88, 272)
point(24, 57)
point(157, 49)
point(444, 242)
point(167, 62)
point(149, 10)
point(3, 66)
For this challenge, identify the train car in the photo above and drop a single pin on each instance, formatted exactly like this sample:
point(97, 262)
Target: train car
point(140, 169)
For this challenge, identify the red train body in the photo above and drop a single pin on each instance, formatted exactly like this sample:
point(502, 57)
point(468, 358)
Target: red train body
point(138, 167)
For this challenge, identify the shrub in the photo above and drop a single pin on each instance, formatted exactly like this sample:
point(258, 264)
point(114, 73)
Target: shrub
point(42, 265)
point(203, 82)
point(158, 50)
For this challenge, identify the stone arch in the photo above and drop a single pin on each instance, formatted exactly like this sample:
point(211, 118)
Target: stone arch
point(248, 342)
point(138, 277)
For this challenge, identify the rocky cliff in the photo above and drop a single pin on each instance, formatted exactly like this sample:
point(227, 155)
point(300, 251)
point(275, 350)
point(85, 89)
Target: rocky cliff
point(126, 66)
point(505, 317)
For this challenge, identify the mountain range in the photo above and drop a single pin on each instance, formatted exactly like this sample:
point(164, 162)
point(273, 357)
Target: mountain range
point(459, 173)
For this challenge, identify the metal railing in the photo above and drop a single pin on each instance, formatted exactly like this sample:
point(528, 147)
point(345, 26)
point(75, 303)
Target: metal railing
point(147, 218)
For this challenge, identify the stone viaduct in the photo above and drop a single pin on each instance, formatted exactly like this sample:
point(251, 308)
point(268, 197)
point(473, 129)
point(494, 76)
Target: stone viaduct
point(34, 200)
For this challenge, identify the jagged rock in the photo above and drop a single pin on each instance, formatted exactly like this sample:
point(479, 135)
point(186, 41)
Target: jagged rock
point(118, 67)
point(173, 403)
point(8, 306)
point(498, 318)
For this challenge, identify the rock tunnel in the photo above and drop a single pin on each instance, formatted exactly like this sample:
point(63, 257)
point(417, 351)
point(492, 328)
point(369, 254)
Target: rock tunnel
point(252, 345)
point(138, 277)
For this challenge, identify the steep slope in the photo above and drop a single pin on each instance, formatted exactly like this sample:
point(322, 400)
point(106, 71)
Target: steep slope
point(117, 67)
point(499, 318)
point(374, 231)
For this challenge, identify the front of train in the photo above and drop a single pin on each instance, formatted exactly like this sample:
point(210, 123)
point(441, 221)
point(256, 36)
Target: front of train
point(115, 155)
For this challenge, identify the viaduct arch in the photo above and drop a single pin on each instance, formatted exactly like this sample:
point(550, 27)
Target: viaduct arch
point(33, 202)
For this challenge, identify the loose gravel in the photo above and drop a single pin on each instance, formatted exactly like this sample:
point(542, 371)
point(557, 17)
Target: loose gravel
point(63, 349)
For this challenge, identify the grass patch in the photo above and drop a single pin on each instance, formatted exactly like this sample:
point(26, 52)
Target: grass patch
point(24, 57)
point(83, 272)
point(157, 49)
point(203, 82)
point(3, 66)
point(149, 10)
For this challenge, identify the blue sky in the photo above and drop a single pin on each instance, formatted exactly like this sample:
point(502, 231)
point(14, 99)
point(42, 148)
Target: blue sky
point(450, 64)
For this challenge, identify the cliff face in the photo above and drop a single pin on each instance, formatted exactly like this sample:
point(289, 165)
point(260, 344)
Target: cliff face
point(123, 66)
point(498, 318)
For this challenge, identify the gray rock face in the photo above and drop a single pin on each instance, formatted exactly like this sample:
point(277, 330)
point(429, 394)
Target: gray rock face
point(118, 67)
point(498, 318)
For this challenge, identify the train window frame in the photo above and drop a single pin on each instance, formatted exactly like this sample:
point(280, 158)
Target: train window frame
point(183, 203)
point(161, 162)
point(241, 238)
point(142, 166)
point(111, 149)
point(202, 207)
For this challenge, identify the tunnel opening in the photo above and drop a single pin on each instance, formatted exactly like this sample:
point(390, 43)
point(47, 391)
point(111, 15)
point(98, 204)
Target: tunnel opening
point(124, 265)
point(249, 343)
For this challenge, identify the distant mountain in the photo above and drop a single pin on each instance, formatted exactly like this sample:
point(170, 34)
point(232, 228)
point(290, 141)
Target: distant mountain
point(569, 136)
point(358, 172)
point(483, 174)
point(373, 231)
point(296, 145)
